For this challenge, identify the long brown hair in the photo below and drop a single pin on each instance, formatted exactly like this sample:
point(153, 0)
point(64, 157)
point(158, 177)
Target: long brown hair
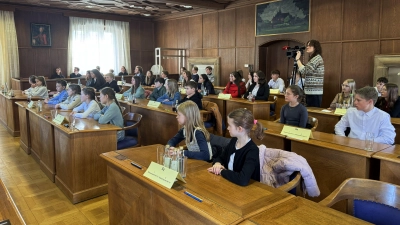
point(137, 84)
point(172, 87)
point(189, 77)
point(392, 92)
point(41, 78)
point(317, 48)
point(90, 92)
point(193, 119)
point(244, 118)
point(111, 95)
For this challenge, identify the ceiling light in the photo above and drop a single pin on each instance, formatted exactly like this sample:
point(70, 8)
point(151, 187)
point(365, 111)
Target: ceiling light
point(186, 6)
point(89, 6)
point(132, 6)
point(146, 14)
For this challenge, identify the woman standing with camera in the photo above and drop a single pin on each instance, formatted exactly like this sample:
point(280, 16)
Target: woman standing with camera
point(313, 72)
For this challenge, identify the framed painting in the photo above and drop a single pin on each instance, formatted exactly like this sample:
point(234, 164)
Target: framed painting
point(40, 35)
point(282, 17)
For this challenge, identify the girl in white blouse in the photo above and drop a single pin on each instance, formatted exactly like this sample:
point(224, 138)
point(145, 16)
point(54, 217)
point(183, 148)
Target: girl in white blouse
point(41, 89)
point(89, 105)
point(73, 99)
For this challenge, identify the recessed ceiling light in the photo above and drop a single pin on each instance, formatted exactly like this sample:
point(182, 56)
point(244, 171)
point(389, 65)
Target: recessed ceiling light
point(186, 6)
point(132, 6)
point(146, 14)
point(89, 6)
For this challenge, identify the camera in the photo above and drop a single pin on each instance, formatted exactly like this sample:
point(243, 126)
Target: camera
point(292, 52)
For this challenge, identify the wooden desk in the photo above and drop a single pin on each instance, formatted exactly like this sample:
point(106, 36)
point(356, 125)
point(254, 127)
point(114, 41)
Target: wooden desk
point(273, 137)
point(134, 199)
point(9, 111)
point(333, 159)
point(396, 124)
point(389, 164)
point(300, 211)
point(70, 158)
point(326, 120)
point(259, 108)
point(8, 209)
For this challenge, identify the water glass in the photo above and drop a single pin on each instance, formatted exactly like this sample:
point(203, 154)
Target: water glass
point(338, 106)
point(182, 166)
point(72, 119)
point(53, 114)
point(369, 141)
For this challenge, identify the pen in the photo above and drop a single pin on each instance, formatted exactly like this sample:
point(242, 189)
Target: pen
point(136, 165)
point(193, 196)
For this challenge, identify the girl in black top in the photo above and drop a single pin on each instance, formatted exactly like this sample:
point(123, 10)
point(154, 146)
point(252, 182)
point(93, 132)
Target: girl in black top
point(58, 74)
point(294, 113)
point(123, 71)
point(110, 82)
point(389, 100)
point(259, 88)
point(240, 161)
point(98, 80)
point(149, 79)
point(205, 83)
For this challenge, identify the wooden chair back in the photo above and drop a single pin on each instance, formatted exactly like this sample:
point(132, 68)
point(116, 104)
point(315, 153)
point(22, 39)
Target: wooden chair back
point(135, 118)
point(313, 122)
point(274, 99)
point(291, 184)
point(213, 107)
point(364, 189)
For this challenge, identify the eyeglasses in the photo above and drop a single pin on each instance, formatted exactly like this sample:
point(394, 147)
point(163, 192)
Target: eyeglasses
point(345, 85)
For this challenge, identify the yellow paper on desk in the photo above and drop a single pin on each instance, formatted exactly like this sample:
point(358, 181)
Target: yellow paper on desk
point(59, 119)
point(224, 96)
point(118, 96)
point(274, 91)
point(340, 111)
point(162, 175)
point(153, 104)
point(297, 133)
point(31, 104)
point(119, 82)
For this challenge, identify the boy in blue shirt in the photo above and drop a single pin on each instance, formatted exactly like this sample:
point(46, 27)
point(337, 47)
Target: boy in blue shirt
point(62, 93)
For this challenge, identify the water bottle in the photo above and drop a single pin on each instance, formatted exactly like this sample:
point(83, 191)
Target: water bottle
point(122, 80)
point(39, 104)
point(29, 97)
point(167, 158)
point(174, 162)
point(205, 91)
point(175, 107)
point(79, 82)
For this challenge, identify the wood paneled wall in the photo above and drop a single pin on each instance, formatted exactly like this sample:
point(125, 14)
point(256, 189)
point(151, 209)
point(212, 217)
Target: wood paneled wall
point(43, 60)
point(351, 32)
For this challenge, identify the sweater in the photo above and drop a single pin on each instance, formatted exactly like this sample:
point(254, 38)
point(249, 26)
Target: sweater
point(62, 96)
point(205, 152)
point(171, 101)
point(40, 92)
point(314, 76)
point(84, 110)
point(157, 92)
point(71, 102)
point(294, 116)
point(113, 84)
point(112, 114)
point(232, 88)
point(97, 84)
point(209, 86)
point(246, 164)
point(262, 93)
point(196, 98)
point(138, 94)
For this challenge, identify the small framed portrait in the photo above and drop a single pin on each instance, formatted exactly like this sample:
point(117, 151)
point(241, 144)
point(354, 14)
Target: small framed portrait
point(40, 35)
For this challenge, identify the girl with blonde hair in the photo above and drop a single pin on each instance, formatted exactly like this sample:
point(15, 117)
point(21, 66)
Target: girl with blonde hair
point(197, 138)
point(347, 94)
point(172, 95)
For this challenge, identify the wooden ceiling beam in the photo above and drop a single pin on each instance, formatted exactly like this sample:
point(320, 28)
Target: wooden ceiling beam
point(200, 4)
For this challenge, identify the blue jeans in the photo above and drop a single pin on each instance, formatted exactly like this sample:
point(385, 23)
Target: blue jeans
point(313, 100)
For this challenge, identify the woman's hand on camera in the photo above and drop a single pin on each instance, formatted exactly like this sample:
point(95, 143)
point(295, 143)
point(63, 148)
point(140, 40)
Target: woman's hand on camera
point(298, 55)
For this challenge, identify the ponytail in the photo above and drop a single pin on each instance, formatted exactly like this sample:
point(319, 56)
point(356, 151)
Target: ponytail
point(111, 95)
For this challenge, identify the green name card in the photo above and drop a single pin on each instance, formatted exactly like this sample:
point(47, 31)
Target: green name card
point(162, 175)
point(297, 133)
point(153, 104)
point(340, 111)
point(31, 104)
point(118, 96)
point(119, 82)
point(224, 96)
point(274, 91)
point(59, 119)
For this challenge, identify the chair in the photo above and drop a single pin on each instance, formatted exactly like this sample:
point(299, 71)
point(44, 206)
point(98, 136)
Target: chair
point(313, 122)
point(293, 183)
point(147, 93)
point(215, 125)
point(132, 135)
point(370, 200)
point(274, 99)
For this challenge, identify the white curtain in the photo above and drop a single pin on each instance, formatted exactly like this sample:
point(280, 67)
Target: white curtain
point(92, 43)
point(120, 33)
point(9, 58)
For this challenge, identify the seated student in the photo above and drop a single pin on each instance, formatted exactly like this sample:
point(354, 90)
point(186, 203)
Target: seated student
point(187, 76)
point(98, 80)
point(235, 86)
point(294, 113)
point(32, 82)
point(41, 88)
point(298, 81)
point(123, 71)
point(276, 82)
point(366, 118)
point(192, 94)
point(347, 95)
point(259, 89)
point(110, 82)
point(58, 74)
point(136, 89)
point(111, 113)
point(89, 105)
point(111, 71)
point(180, 80)
point(379, 84)
point(389, 100)
point(195, 76)
point(149, 79)
point(250, 80)
point(73, 99)
point(205, 84)
point(62, 93)
point(164, 74)
point(159, 89)
point(172, 95)
point(240, 160)
point(75, 74)
point(209, 74)
point(196, 136)
point(88, 78)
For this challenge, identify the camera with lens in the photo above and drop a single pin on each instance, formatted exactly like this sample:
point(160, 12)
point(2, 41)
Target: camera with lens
point(292, 52)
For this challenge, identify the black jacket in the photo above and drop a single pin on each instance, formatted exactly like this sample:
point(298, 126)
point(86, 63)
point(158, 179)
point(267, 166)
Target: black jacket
point(113, 85)
point(73, 75)
point(196, 98)
point(56, 76)
point(262, 93)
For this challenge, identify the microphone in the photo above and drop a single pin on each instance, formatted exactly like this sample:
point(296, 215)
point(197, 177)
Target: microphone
point(285, 47)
